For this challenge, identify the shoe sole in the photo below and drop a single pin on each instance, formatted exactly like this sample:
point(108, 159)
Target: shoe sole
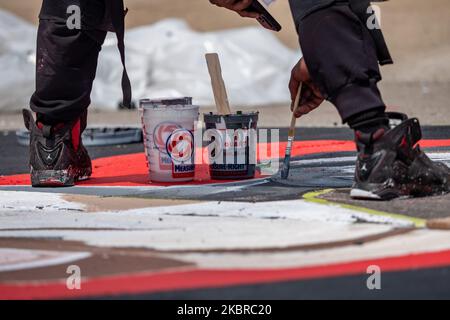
point(364, 195)
point(381, 195)
point(405, 191)
point(58, 178)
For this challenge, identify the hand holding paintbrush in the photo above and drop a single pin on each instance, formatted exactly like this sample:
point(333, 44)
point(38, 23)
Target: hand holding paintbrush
point(291, 136)
point(307, 98)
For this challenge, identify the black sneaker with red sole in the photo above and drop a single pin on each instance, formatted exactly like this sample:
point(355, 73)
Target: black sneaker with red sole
point(57, 155)
point(391, 164)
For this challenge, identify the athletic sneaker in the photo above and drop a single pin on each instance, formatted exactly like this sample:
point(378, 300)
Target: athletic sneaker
point(390, 165)
point(57, 155)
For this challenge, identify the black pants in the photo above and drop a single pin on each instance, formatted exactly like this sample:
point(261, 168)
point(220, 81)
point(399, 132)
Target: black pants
point(66, 65)
point(341, 57)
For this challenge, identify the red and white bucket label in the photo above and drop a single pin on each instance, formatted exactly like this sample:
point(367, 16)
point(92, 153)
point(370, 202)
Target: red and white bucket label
point(170, 142)
point(180, 148)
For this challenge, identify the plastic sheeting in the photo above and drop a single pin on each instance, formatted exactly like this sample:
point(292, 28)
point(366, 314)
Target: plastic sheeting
point(164, 60)
point(17, 61)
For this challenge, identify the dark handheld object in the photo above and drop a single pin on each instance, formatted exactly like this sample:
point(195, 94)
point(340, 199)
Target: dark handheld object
point(266, 19)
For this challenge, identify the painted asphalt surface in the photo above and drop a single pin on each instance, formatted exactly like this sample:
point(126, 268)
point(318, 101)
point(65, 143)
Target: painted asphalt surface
point(410, 281)
point(424, 284)
point(15, 157)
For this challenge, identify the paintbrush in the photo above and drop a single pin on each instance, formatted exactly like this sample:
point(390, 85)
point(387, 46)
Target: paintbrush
point(291, 136)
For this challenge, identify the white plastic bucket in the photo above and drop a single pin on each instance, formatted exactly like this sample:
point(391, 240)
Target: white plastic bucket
point(169, 139)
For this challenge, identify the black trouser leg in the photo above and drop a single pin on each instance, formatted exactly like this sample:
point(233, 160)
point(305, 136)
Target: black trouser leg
point(341, 57)
point(66, 64)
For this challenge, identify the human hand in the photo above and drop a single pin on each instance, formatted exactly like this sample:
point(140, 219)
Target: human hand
point(238, 6)
point(311, 97)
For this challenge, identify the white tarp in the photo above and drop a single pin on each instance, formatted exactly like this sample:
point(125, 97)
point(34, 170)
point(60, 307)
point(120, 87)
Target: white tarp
point(164, 60)
point(17, 61)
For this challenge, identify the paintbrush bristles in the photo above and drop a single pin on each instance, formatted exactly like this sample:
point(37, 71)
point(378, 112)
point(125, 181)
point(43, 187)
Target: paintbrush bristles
point(286, 167)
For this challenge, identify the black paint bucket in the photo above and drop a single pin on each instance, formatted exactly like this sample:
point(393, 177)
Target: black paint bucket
point(233, 145)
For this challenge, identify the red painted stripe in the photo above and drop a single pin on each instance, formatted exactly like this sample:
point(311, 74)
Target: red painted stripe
point(196, 279)
point(131, 170)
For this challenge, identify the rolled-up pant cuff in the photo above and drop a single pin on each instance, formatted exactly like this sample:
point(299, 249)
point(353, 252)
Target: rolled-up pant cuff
point(356, 98)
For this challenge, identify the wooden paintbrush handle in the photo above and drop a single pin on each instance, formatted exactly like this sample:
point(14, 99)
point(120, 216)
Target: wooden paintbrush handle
point(296, 106)
point(218, 85)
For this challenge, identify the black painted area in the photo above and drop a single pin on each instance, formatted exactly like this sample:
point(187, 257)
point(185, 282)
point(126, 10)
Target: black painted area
point(14, 158)
point(412, 284)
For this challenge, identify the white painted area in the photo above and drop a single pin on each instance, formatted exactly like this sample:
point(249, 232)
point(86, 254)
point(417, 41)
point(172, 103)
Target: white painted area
point(417, 242)
point(213, 225)
point(23, 259)
point(294, 210)
point(435, 156)
point(210, 225)
point(324, 161)
point(35, 202)
point(194, 233)
point(440, 156)
point(28, 205)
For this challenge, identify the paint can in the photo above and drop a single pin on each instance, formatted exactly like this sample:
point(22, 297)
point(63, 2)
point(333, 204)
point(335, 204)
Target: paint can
point(168, 129)
point(233, 145)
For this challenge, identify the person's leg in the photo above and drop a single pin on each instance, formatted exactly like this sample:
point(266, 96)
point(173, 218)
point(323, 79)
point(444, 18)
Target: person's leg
point(66, 63)
point(341, 57)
